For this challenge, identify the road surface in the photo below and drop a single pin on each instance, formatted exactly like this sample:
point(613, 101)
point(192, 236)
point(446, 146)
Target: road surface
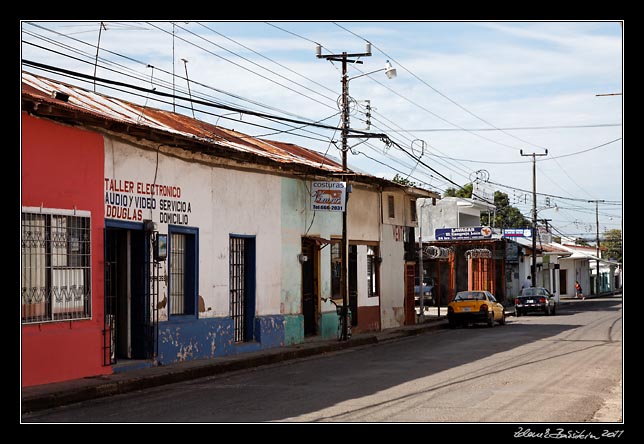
point(549, 369)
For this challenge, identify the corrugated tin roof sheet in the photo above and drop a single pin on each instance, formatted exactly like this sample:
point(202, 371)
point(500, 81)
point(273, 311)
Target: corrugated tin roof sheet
point(113, 109)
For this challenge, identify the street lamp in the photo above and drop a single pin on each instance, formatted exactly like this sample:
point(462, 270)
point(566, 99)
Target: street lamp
point(390, 72)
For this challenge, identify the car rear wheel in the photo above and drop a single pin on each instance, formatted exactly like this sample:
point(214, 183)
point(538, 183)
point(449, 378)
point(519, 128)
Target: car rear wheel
point(490, 321)
point(554, 310)
point(502, 321)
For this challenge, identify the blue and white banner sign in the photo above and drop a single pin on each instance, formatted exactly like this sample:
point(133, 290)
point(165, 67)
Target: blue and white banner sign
point(463, 233)
point(517, 232)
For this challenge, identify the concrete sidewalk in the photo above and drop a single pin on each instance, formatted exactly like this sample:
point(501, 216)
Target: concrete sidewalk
point(47, 396)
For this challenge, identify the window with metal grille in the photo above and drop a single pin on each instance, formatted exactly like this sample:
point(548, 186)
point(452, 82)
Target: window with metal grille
point(373, 275)
point(242, 286)
point(336, 269)
point(412, 208)
point(177, 273)
point(183, 257)
point(237, 281)
point(55, 265)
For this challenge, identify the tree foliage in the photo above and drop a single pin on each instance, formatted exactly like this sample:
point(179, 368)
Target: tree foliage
point(404, 181)
point(581, 241)
point(613, 244)
point(465, 191)
point(506, 216)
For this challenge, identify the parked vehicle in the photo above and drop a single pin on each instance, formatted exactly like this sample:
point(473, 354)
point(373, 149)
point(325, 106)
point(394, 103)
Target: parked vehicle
point(430, 290)
point(536, 299)
point(470, 307)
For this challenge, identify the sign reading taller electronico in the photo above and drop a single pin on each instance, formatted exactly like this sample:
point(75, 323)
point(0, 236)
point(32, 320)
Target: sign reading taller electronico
point(328, 196)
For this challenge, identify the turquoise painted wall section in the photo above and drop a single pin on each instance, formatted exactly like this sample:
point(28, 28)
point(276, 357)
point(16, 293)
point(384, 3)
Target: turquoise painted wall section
point(329, 325)
point(299, 221)
point(293, 329)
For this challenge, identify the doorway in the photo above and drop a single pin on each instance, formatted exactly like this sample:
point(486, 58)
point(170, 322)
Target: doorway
point(563, 282)
point(353, 284)
point(126, 300)
point(310, 293)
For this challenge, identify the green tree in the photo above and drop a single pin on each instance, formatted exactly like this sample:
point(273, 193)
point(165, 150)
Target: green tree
point(581, 241)
point(404, 181)
point(506, 216)
point(613, 243)
point(465, 191)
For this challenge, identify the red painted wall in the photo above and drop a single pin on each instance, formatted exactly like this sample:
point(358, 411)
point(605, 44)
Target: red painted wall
point(62, 167)
point(368, 319)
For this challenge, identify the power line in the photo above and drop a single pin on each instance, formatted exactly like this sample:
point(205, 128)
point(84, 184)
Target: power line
point(197, 101)
point(271, 60)
point(445, 96)
point(201, 102)
point(592, 125)
point(136, 74)
point(489, 162)
point(376, 113)
point(237, 64)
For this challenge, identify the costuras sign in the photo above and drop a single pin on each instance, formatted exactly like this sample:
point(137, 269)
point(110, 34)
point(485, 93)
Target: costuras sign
point(328, 196)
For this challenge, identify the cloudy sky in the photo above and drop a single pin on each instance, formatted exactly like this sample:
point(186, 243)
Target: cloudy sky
point(468, 97)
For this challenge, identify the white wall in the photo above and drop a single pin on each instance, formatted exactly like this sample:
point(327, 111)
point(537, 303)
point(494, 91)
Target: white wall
point(392, 280)
point(363, 215)
point(222, 202)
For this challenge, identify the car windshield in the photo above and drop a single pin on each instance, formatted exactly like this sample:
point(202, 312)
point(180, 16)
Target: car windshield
point(470, 296)
point(529, 292)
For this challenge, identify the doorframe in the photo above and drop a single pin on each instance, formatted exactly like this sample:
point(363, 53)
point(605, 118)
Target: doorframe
point(314, 262)
point(191, 283)
point(110, 348)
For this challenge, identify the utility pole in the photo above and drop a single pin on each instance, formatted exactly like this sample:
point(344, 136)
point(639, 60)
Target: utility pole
point(534, 214)
point(597, 286)
point(390, 72)
point(421, 284)
point(344, 59)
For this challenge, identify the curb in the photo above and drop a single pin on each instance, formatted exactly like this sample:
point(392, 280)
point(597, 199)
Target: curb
point(119, 383)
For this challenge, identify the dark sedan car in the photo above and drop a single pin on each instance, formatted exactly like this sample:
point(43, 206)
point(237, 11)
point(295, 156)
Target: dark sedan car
point(536, 299)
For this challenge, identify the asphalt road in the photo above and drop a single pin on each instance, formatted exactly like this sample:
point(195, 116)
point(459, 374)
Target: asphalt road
point(536, 369)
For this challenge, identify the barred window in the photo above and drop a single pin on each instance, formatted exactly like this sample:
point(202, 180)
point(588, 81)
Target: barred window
point(373, 272)
point(55, 265)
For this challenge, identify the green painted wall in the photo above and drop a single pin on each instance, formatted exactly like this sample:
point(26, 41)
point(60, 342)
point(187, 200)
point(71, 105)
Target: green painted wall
point(328, 325)
point(293, 329)
point(297, 221)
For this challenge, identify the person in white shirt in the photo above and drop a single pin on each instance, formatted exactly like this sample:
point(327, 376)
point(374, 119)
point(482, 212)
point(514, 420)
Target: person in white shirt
point(527, 283)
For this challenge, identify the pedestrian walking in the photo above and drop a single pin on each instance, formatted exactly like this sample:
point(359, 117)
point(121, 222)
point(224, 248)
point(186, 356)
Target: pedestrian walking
point(527, 283)
point(578, 291)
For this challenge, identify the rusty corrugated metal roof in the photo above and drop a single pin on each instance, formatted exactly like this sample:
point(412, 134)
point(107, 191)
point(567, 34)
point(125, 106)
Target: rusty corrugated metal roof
point(109, 109)
point(118, 110)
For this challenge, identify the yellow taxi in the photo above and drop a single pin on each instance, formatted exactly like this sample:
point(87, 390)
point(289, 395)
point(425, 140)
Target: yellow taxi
point(469, 307)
